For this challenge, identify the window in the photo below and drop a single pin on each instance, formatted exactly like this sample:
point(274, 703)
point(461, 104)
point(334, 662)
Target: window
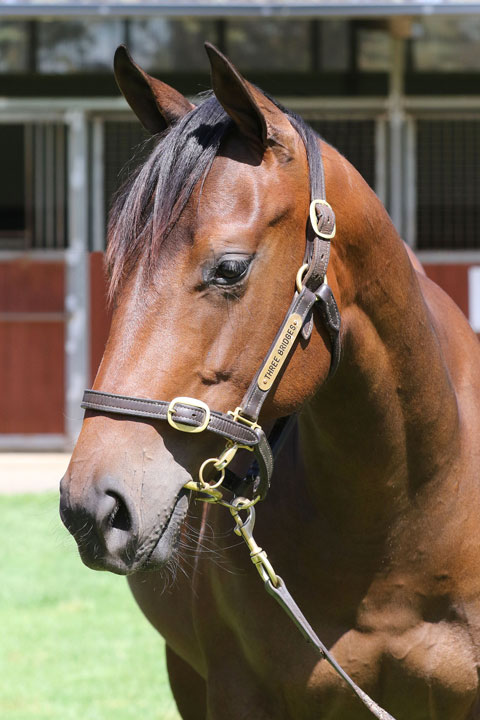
point(14, 42)
point(448, 184)
point(353, 138)
point(125, 148)
point(334, 45)
point(83, 45)
point(33, 201)
point(374, 50)
point(447, 44)
point(269, 45)
point(13, 216)
point(176, 45)
point(273, 44)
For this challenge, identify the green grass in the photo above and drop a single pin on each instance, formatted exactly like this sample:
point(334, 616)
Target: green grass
point(73, 644)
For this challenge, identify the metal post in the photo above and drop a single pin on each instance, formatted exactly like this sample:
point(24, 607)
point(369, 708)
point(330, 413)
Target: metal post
point(396, 116)
point(410, 234)
point(39, 186)
point(77, 276)
point(98, 195)
point(381, 159)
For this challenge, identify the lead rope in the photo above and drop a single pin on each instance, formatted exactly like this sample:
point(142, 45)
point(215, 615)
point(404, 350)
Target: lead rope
point(276, 587)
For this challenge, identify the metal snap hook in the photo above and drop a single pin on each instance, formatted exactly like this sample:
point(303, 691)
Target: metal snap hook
point(244, 528)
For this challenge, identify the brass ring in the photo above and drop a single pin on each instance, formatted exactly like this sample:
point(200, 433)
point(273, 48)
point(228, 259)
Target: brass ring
point(203, 482)
point(299, 278)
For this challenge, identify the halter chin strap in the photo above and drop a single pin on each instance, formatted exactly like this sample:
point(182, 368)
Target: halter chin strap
point(240, 427)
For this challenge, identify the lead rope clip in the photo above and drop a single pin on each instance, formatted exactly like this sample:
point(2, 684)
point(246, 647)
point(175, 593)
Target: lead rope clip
point(244, 529)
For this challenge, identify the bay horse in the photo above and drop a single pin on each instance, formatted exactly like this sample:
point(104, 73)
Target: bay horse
point(372, 518)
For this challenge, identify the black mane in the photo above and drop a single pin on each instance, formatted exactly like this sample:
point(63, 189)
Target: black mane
point(149, 204)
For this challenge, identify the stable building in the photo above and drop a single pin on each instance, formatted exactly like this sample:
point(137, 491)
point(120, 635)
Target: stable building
point(395, 86)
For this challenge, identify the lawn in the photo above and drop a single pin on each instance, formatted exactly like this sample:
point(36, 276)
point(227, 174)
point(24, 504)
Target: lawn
point(74, 646)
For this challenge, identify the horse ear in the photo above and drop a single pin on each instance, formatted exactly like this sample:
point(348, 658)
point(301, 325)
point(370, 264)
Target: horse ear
point(156, 104)
point(257, 117)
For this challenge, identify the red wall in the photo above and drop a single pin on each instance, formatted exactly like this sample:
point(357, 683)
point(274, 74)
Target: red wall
point(32, 347)
point(453, 279)
point(100, 313)
point(32, 364)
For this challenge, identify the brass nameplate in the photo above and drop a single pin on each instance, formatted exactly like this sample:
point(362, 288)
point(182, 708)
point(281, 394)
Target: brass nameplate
point(279, 354)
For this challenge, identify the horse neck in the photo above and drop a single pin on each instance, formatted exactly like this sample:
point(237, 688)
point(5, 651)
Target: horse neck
point(386, 425)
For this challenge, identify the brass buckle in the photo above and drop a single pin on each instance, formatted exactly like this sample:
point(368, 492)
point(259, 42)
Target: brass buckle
point(314, 219)
point(238, 417)
point(193, 403)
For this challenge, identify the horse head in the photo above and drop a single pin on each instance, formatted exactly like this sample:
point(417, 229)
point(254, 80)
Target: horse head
point(205, 243)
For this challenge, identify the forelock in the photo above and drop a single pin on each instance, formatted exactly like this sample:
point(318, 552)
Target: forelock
point(149, 204)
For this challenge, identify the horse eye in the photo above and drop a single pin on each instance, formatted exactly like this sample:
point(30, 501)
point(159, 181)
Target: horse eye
point(231, 270)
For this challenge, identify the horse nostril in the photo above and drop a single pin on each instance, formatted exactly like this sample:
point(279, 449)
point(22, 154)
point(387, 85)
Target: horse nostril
point(105, 524)
point(119, 517)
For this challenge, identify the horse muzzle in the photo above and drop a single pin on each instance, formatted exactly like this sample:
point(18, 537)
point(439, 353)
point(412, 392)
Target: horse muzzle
point(113, 533)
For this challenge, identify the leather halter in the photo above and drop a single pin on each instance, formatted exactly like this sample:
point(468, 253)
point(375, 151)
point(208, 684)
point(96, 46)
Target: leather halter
point(240, 427)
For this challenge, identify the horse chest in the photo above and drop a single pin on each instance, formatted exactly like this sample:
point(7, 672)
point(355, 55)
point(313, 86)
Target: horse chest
point(427, 671)
point(424, 672)
point(256, 663)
